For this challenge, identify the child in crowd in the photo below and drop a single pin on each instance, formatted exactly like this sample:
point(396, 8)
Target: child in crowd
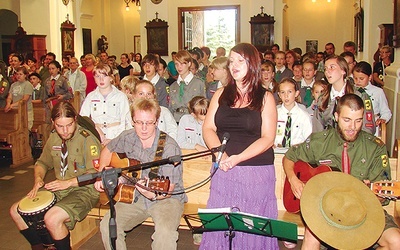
point(220, 75)
point(186, 87)
point(162, 71)
point(268, 80)
point(280, 69)
point(39, 93)
point(298, 72)
point(362, 78)
point(166, 122)
point(294, 123)
point(150, 65)
point(21, 89)
point(107, 106)
point(190, 134)
point(306, 84)
point(128, 87)
point(57, 86)
point(319, 87)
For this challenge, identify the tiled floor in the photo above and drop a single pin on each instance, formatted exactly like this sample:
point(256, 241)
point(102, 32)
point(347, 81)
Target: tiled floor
point(19, 181)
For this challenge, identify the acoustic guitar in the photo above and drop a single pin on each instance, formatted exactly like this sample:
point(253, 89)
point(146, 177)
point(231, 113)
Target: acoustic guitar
point(125, 192)
point(304, 172)
point(386, 189)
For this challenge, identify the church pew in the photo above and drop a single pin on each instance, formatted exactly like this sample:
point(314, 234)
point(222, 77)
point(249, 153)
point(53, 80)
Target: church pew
point(14, 134)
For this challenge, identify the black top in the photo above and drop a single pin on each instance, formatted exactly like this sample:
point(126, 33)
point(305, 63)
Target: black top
point(244, 127)
point(124, 71)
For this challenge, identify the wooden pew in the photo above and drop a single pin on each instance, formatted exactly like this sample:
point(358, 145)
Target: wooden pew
point(14, 134)
point(76, 101)
point(40, 122)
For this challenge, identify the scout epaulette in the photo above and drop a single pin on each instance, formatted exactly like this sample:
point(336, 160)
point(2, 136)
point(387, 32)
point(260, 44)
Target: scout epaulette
point(84, 133)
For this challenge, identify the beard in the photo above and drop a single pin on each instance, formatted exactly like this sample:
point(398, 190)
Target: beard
point(345, 137)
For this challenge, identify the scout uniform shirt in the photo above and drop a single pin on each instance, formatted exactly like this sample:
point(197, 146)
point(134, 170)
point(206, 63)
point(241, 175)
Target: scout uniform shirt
point(83, 154)
point(368, 158)
point(111, 113)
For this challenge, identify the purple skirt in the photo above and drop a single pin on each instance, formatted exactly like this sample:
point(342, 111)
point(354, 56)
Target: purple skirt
point(252, 190)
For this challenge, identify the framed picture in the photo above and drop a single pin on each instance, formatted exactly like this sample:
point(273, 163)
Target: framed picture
point(312, 46)
point(87, 41)
point(359, 30)
point(67, 38)
point(157, 37)
point(262, 31)
point(137, 44)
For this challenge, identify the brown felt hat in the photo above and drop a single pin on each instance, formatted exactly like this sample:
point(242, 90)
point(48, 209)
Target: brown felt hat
point(342, 211)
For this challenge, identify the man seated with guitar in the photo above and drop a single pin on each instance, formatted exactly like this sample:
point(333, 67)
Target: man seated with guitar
point(79, 150)
point(145, 143)
point(367, 162)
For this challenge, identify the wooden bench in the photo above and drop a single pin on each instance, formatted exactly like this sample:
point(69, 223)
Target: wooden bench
point(14, 134)
point(40, 123)
point(198, 169)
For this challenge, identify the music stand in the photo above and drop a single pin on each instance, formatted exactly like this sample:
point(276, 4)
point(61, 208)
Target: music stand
point(226, 220)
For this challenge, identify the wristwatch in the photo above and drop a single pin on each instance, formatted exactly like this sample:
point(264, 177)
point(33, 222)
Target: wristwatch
point(154, 198)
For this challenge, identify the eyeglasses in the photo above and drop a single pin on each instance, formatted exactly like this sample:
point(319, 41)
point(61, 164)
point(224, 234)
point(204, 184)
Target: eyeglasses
point(147, 123)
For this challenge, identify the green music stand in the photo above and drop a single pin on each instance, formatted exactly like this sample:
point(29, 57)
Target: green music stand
point(226, 220)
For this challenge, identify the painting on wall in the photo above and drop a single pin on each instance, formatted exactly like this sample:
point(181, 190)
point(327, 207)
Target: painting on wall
point(137, 44)
point(312, 46)
point(87, 41)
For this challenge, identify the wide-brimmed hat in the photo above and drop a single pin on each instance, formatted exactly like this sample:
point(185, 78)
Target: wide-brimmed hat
point(342, 211)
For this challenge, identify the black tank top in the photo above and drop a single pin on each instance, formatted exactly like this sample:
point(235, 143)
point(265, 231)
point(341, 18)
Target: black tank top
point(244, 127)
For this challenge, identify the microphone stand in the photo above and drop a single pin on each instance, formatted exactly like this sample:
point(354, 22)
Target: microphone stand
point(109, 179)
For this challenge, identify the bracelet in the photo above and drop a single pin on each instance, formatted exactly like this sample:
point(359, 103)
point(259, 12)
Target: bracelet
point(154, 198)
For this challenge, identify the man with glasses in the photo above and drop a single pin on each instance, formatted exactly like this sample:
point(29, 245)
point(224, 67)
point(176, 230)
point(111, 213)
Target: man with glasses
point(145, 143)
point(379, 68)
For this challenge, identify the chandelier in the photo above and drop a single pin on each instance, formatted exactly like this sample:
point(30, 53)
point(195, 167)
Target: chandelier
point(136, 2)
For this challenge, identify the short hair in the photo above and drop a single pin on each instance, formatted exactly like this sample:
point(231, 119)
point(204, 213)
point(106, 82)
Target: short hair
point(65, 58)
point(200, 104)
point(220, 63)
point(363, 67)
point(206, 50)
point(276, 45)
point(196, 64)
point(349, 54)
point(63, 109)
point(333, 45)
point(145, 82)
point(57, 64)
point(52, 55)
point(387, 47)
point(105, 67)
point(152, 59)
point(268, 52)
point(163, 63)
point(31, 58)
point(147, 105)
point(349, 44)
point(311, 62)
point(23, 70)
point(353, 101)
point(183, 56)
point(35, 74)
point(195, 52)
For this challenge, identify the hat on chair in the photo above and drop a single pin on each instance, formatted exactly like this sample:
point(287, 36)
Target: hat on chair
point(342, 211)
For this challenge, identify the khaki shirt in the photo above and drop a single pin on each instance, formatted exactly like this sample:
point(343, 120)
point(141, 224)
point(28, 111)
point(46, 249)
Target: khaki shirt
point(83, 154)
point(368, 157)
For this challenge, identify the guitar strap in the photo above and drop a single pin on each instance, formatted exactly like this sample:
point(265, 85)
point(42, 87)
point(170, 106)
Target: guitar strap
point(158, 156)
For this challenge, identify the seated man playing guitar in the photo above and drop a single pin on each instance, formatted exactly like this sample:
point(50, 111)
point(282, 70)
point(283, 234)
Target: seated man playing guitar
point(145, 142)
point(366, 154)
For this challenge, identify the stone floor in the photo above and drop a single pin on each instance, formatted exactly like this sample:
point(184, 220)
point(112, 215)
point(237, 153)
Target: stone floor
point(16, 182)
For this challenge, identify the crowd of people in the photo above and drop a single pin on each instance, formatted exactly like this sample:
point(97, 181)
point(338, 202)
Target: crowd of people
point(150, 109)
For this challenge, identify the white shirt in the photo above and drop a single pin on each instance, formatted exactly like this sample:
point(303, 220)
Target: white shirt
point(114, 108)
point(301, 124)
point(379, 102)
point(190, 132)
point(303, 83)
point(187, 80)
point(154, 80)
point(335, 93)
point(167, 122)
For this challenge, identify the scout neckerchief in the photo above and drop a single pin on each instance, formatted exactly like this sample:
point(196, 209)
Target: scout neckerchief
point(160, 149)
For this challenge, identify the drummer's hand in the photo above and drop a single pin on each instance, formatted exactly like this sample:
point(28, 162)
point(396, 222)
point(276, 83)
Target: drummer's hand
point(99, 186)
point(57, 185)
point(38, 184)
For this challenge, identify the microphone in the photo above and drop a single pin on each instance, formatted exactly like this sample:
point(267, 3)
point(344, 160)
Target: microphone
point(222, 148)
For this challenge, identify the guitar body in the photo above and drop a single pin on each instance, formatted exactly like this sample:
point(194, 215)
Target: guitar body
point(125, 192)
point(304, 172)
